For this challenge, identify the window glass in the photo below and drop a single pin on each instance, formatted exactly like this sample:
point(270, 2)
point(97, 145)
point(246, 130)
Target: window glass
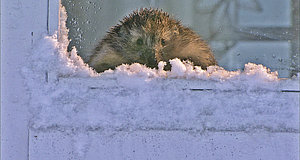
point(238, 31)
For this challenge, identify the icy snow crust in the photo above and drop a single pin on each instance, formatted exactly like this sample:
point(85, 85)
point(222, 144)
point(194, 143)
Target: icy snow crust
point(67, 94)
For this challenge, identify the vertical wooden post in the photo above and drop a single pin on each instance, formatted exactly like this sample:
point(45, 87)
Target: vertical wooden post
point(22, 24)
point(53, 16)
point(295, 56)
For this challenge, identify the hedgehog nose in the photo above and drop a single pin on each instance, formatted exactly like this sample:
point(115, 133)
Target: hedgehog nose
point(148, 57)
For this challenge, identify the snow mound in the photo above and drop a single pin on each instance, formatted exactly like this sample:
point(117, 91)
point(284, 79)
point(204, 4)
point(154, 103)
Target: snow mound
point(67, 94)
point(186, 70)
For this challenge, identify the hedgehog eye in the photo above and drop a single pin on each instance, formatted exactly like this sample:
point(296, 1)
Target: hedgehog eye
point(163, 42)
point(139, 41)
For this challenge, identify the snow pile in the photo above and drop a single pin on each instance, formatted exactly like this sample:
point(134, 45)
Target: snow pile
point(67, 94)
point(186, 70)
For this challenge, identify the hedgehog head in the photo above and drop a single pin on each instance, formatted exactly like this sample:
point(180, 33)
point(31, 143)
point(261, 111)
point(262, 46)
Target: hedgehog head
point(143, 35)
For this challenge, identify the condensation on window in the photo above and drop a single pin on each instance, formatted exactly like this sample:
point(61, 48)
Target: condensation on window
point(238, 31)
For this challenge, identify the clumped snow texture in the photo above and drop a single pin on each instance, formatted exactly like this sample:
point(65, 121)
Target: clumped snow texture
point(67, 94)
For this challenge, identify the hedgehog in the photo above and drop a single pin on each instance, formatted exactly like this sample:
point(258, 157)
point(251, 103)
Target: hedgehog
point(148, 36)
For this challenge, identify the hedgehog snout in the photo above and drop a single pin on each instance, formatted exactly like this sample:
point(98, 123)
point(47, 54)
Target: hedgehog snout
point(147, 57)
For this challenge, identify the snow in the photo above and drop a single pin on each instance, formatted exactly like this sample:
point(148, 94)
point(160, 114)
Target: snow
point(67, 95)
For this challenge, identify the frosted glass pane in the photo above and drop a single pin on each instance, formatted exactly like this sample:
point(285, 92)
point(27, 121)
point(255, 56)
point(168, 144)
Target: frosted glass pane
point(226, 25)
point(272, 13)
point(274, 55)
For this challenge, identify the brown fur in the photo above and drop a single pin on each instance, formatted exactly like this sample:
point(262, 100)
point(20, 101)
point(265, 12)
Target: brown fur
point(148, 36)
